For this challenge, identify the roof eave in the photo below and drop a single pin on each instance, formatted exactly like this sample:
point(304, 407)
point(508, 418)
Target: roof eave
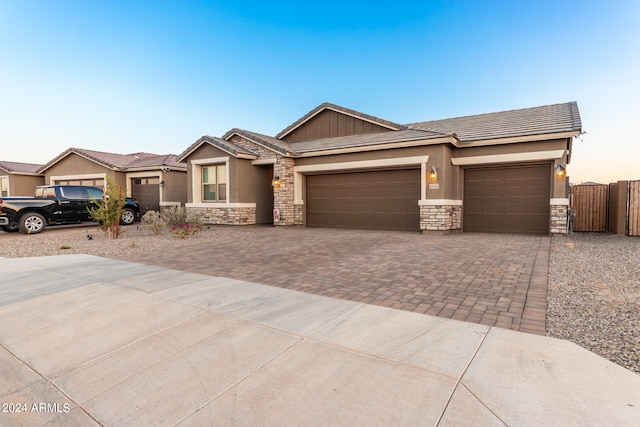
point(377, 147)
point(516, 139)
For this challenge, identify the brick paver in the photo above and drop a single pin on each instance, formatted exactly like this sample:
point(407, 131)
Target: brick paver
point(496, 280)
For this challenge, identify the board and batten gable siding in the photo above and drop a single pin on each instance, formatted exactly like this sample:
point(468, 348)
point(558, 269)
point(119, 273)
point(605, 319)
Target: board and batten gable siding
point(330, 124)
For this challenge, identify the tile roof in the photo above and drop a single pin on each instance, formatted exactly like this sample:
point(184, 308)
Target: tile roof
point(327, 105)
point(30, 168)
point(119, 161)
point(364, 140)
point(268, 141)
point(227, 146)
point(523, 122)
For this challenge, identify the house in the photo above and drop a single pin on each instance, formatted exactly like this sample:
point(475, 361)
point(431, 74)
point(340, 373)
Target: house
point(155, 180)
point(501, 172)
point(19, 179)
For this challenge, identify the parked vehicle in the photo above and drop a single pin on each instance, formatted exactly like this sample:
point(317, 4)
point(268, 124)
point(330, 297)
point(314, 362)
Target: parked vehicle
point(55, 205)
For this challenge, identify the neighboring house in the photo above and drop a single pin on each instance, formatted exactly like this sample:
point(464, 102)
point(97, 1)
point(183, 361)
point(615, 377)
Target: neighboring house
point(501, 172)
point(19, 179)
point(155, 180)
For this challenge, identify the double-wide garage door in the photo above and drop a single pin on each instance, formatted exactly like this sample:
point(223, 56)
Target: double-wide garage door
point(383, 200)
point(507, 199)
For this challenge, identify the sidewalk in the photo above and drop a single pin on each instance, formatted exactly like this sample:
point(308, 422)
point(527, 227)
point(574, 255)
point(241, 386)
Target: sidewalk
point(107, 342)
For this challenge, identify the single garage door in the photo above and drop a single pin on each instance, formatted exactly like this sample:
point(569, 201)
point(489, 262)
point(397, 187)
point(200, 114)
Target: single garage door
point(507, 199)
point(147, 192)
point(382, 200)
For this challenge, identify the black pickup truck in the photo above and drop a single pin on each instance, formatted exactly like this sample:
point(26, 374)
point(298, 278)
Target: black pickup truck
point(56, 204)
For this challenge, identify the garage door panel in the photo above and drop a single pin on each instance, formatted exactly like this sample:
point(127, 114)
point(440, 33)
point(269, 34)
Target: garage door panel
point(369, 200)
point(507, 199)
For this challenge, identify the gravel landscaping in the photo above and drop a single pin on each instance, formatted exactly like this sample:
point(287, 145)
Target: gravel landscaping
point(593, 294)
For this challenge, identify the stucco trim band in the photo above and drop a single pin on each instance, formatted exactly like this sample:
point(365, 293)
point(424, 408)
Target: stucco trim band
point(508, 158)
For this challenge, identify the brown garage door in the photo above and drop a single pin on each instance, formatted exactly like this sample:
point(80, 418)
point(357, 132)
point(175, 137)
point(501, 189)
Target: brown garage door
point(382, 200)
point(147, 192)
point(507, 199)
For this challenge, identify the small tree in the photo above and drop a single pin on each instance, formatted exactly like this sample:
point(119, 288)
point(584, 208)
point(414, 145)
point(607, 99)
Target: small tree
point(108, 210)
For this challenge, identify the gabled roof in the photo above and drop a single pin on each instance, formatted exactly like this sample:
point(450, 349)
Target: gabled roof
point(227, 146)
point(118, 161)
point(264, 140)
point(334, 107)
point(17, 167)
point(548, 119)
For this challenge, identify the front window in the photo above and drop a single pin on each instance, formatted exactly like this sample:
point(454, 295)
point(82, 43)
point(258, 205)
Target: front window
point(214, 183)
point(4, 187)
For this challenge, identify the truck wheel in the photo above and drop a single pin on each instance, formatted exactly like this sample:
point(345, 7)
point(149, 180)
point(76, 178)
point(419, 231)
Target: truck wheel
point(11, 228)
point(32, 223)
point(128, 217)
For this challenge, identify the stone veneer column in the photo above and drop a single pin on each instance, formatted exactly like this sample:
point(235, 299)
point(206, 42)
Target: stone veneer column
point(559, 223)
point(440, 216)
point(283, 197)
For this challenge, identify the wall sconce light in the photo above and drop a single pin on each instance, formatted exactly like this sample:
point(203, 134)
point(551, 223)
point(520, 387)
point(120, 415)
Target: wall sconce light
point(161, 183)
point(561, 170)
point(433, 175)
point(276, 182)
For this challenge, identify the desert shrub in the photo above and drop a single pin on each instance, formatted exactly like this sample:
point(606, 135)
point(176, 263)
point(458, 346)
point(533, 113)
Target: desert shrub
point(155, 221)
point(179, 215)
point(107, 211)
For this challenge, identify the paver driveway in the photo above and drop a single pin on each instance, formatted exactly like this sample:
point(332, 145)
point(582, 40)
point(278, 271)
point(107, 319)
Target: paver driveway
point(496, 280)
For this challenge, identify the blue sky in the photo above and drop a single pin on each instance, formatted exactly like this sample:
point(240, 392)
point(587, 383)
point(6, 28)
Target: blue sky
point(128, 76)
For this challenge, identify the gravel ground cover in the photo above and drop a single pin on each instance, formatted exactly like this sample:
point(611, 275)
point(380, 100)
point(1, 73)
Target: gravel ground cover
point(594, 279)
point(594, 294)
point(135, 239)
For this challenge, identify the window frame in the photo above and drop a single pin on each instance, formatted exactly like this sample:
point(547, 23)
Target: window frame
point(197, 187)
point(220, 187)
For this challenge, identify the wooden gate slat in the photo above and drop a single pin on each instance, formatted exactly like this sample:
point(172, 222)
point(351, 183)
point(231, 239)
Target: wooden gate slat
point(634, 208)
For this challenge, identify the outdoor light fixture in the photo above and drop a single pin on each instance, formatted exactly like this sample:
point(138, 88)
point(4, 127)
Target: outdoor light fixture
point(561, 170)
point(433, 175)
point(276, 182)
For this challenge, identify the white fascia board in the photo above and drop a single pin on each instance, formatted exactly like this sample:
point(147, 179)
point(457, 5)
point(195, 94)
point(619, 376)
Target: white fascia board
point(440, 202)
point(508, 158)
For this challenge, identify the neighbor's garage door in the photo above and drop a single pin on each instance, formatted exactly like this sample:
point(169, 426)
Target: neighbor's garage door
point(507, 199)
point(147, 192)
point(384, 200)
